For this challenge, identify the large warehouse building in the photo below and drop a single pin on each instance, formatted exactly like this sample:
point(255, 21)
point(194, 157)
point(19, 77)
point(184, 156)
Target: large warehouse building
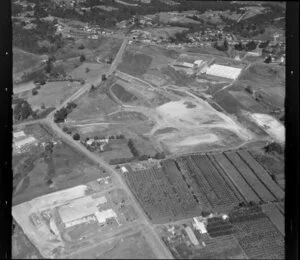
point(223, 71)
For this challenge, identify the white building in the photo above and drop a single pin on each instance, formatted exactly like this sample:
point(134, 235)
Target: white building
point(124, 169)
point(198, 62)
point(90, 141)
point(19, 134)
point(200, 225)
point(223, 71)
point(24, 142)
point(102, 216)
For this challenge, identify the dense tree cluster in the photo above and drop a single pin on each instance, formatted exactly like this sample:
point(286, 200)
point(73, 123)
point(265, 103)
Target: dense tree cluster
point(41, 39)
point(76, 136)
point(250, 46)
point(62, 114)
point(23, 110)
point(179, 37)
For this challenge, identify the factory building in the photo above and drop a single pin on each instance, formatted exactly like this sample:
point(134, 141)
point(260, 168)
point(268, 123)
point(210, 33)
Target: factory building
point(79, 209)
point(223, 71)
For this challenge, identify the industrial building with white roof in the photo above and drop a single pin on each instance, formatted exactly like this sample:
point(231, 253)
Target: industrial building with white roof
point(223, 71)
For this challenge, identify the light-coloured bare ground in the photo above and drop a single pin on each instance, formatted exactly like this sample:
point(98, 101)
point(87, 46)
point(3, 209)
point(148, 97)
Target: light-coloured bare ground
point(271, 125)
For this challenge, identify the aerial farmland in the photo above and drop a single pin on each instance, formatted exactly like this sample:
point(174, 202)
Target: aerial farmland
point(145, 130)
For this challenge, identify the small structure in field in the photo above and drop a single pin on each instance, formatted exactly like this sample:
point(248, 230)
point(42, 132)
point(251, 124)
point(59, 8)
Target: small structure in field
point(124, 169)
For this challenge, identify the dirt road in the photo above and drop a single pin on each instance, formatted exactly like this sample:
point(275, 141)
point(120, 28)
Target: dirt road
point(23, 87)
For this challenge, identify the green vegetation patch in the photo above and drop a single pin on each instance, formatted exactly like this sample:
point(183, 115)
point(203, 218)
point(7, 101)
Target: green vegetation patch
point(122, 94)
point(135, 64)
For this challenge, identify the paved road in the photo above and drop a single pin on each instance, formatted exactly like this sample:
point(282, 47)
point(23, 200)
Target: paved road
point(109, 169)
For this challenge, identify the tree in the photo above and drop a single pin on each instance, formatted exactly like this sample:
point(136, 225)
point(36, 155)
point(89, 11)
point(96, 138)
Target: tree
point(82, 58)
point(34, 92)
point(264, 44)
point(239, 46)
point(268, 60)
point(104, 77)
point(250, 46)
point(76, 136)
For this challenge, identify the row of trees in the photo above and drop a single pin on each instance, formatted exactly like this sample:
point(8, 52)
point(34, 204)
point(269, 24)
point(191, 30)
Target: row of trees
point(250, 46)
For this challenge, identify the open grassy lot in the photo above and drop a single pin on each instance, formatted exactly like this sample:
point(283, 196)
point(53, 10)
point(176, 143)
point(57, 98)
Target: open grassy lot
point(122, 94)
point(125, 246)
point(240, 105)
point(179, 78)
point(23, 60)
point(92, 48)
point(166, 32)
point(64, 167)
point(92, 106)
point(89, 71)
point(268, 81)
point(51, 94)
point(135, 64)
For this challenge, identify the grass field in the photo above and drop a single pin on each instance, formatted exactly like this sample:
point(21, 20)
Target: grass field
point(131, 246)
point(103, 47)
point(51, 94)
point(89, 71)
point(122, 94)
point(268, 81)
point(65, 167)
point(135, 64)
point(23, 61)
point(93, 106)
